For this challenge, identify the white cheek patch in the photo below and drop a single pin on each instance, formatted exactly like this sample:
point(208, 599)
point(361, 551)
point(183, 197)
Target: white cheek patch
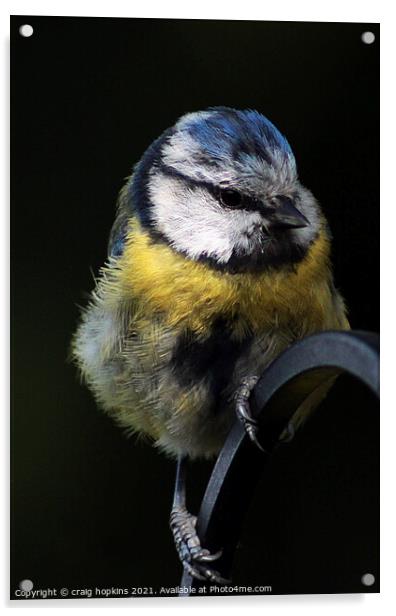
point(195, 223)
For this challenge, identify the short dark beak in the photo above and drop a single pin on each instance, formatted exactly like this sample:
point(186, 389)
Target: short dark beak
point(287, 216)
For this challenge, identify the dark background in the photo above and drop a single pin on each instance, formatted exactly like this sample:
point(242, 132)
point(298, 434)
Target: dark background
point(90, 507)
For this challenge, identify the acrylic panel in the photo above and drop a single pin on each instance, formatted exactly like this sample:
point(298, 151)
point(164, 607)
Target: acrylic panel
point(235, 321)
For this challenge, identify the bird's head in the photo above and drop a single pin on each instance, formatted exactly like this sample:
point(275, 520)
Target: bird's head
point(221, 186)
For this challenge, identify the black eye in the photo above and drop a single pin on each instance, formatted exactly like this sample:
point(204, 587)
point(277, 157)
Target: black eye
point(230, 198)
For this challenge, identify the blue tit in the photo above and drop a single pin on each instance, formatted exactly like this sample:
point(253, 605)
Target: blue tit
point(219, 258)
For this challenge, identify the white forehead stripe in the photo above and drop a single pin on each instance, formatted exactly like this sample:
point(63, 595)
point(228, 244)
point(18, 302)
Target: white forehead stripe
point(182, 153)
point(250, 173)
point(188, 118)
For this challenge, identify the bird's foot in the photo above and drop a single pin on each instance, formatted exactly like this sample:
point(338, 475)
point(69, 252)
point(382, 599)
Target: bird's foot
point(243, 411)
point(193, 556)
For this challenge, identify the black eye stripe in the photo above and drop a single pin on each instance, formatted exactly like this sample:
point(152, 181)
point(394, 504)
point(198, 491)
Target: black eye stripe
point(171, 172)
point(246, 202)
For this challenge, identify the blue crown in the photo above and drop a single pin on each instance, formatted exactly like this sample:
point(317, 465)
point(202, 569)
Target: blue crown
point(230, 133)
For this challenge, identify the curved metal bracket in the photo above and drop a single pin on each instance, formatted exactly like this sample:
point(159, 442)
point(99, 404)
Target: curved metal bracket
point(299, 372)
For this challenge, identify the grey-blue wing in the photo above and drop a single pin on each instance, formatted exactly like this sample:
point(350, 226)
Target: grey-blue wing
point(118, 233)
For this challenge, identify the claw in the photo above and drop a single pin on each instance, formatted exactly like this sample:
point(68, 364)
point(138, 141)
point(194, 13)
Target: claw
point(204, 574)
point(192, 556)
point(214, 576)
point(243, 410)
point(207, 557)
point(252, 434)
point(193, 571)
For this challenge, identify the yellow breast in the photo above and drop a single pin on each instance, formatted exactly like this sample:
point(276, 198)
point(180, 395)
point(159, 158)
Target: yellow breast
point(190, 294)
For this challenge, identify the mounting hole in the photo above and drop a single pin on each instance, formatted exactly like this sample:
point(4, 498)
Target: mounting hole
point(368, 38)
point(26, 585)
point(26, 30)
point(368, 579)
